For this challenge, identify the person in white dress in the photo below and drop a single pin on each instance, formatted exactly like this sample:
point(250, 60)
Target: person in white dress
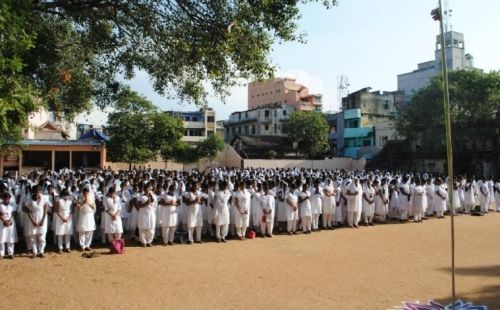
point(429, 192)
point(86, 220)
point(63, 221)
point(381, 200)
point(267, 210)
point(221, 217)
point(497, 194)
point(419, 198)
point(353, 206)
point(113, 221)
point(146, 217)
point(292, 209)
point(329, 204)
point(484, 195)
point(8, 232)
point(256, 192)
point(368, 202)
point(404, 199)
point(304, 200)
point(316, 204)
point(242, 212)
point(37, 209)
point(194, 215)
point(168, 204)
point(440, 198)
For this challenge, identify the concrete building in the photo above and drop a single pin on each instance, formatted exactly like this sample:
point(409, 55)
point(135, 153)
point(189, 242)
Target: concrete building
point(365, 123)
point(457, 59)
point(265, 120)
point(282, 91)
point(198, 125)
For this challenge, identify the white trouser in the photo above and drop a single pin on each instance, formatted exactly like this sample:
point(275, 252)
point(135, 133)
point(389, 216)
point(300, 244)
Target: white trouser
point(440, 212)
point(269, 225)
point(291, 226)
point(146, 235)
point(306, 223)
point(352, 218)
point(63, 239)
point(315, 221)
point(368, 219)
point(221, 231)
point(404, 213)
point(85, 238)
point(38, 243)
point(191, 230)
point(168, 233)
point(241, 231)
point(417, 216)
point(327, 220)
point(10, 249)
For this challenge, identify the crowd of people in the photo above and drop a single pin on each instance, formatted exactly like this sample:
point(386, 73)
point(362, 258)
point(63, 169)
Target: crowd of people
point(159, 206)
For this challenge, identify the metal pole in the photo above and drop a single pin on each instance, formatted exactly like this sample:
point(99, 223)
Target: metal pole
point(449, 149)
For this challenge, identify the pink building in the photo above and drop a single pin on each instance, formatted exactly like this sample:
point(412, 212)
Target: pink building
point(282, 91)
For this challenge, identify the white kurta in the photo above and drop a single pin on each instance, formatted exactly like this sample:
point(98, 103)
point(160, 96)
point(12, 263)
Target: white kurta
point(316, 201)
point(242, 216)
point(439, 201)
point(146, 217)
point(194, 214)
point(222, 207)
point(36, 211)
point(113, 206)
point(61, 227)
point(168, 212)
point(8, 234)
point(368, 207)
point(305, 205)
point(292, 210)
point(86, 219)
point(353, 204)
point(328, 202)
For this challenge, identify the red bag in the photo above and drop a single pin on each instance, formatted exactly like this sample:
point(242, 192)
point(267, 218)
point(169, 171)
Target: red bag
point(250, 234)
point(118, 246)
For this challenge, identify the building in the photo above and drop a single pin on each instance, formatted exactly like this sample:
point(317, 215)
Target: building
point(198, 125)
point(266, 120)
point(457, 59)
point(282, 91)
point(47, 145)
point(365, 123)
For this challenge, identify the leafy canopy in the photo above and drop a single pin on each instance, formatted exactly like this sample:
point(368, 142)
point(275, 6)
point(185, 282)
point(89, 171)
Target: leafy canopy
point(69, 55)
point(475, 112)
point(310, 131)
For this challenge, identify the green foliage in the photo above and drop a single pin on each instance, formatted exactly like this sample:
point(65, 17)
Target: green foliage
point(69, 54)
point(474, 105)
point(139, 132)
point(210, 147)
point(310, 131)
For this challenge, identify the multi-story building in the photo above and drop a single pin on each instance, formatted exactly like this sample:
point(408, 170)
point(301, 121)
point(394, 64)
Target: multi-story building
point(198, 125)
point(457, 59)
point(265, 120)
point(282, 91)
point(365, 123)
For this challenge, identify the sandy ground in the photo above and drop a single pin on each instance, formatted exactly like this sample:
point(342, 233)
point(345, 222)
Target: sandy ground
point(368, 268)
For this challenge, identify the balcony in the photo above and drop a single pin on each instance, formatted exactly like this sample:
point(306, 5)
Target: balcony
point(358, 132)
point(194, 125)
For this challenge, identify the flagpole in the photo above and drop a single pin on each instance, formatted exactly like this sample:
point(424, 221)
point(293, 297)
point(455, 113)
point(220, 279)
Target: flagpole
point(449, 149)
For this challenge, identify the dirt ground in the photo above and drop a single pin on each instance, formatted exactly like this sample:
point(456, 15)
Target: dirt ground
point(367, 268)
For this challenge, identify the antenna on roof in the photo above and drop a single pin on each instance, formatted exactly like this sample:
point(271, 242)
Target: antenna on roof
point(342, 88)
point(447, 12)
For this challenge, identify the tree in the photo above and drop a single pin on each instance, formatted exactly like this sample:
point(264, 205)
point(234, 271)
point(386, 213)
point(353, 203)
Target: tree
point(139, 132)
point(70, 55)
point(210, 147)
point(474, 105)
point(310, 131)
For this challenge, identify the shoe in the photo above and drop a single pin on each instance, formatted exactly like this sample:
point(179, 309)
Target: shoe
point(149, 245)
point(189, 242)
point(295, 233)
point(144, 245)
point(67, 250)
point(371, 224)
point(269, 235)
point(356, 226)
point(241, 238)
point(164, 244)
point(59, 251)
point(290, 233)
point(10, 256)
point(223, 240)
point(218, 241)
point(200, 242)
point(88, 249)
point(41, 255)
point(170, 243)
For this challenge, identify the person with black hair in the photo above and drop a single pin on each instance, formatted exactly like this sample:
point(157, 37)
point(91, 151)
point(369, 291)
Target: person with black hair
point(267, 209)
point(113, 221)
point(63, 221)
point(221, 215)
point(85, 225)
point(37, 210)
point(8, 232)
point(146, 217)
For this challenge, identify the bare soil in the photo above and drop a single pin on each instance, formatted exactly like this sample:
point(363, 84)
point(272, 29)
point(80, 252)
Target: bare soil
point(366, 268)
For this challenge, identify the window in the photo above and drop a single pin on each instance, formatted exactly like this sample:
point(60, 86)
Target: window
point(246, 130)
point(266, 127)
point(253, 129)
point(266, 113)
point(187, 118)
point(275, 113)
point(284, 112)
point(246, 114)
point(210, 119)
point(285, 100)
point(210, 133)
point(195, 119)
point(367, 142)
point(386, 105)
point(239, 130)
point(275, 128)
point(351, 123)
point(239, 115)
point(37, 159)
point(186, 133)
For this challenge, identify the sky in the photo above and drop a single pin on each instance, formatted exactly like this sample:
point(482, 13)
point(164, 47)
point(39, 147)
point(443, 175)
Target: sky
point(369, 41)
